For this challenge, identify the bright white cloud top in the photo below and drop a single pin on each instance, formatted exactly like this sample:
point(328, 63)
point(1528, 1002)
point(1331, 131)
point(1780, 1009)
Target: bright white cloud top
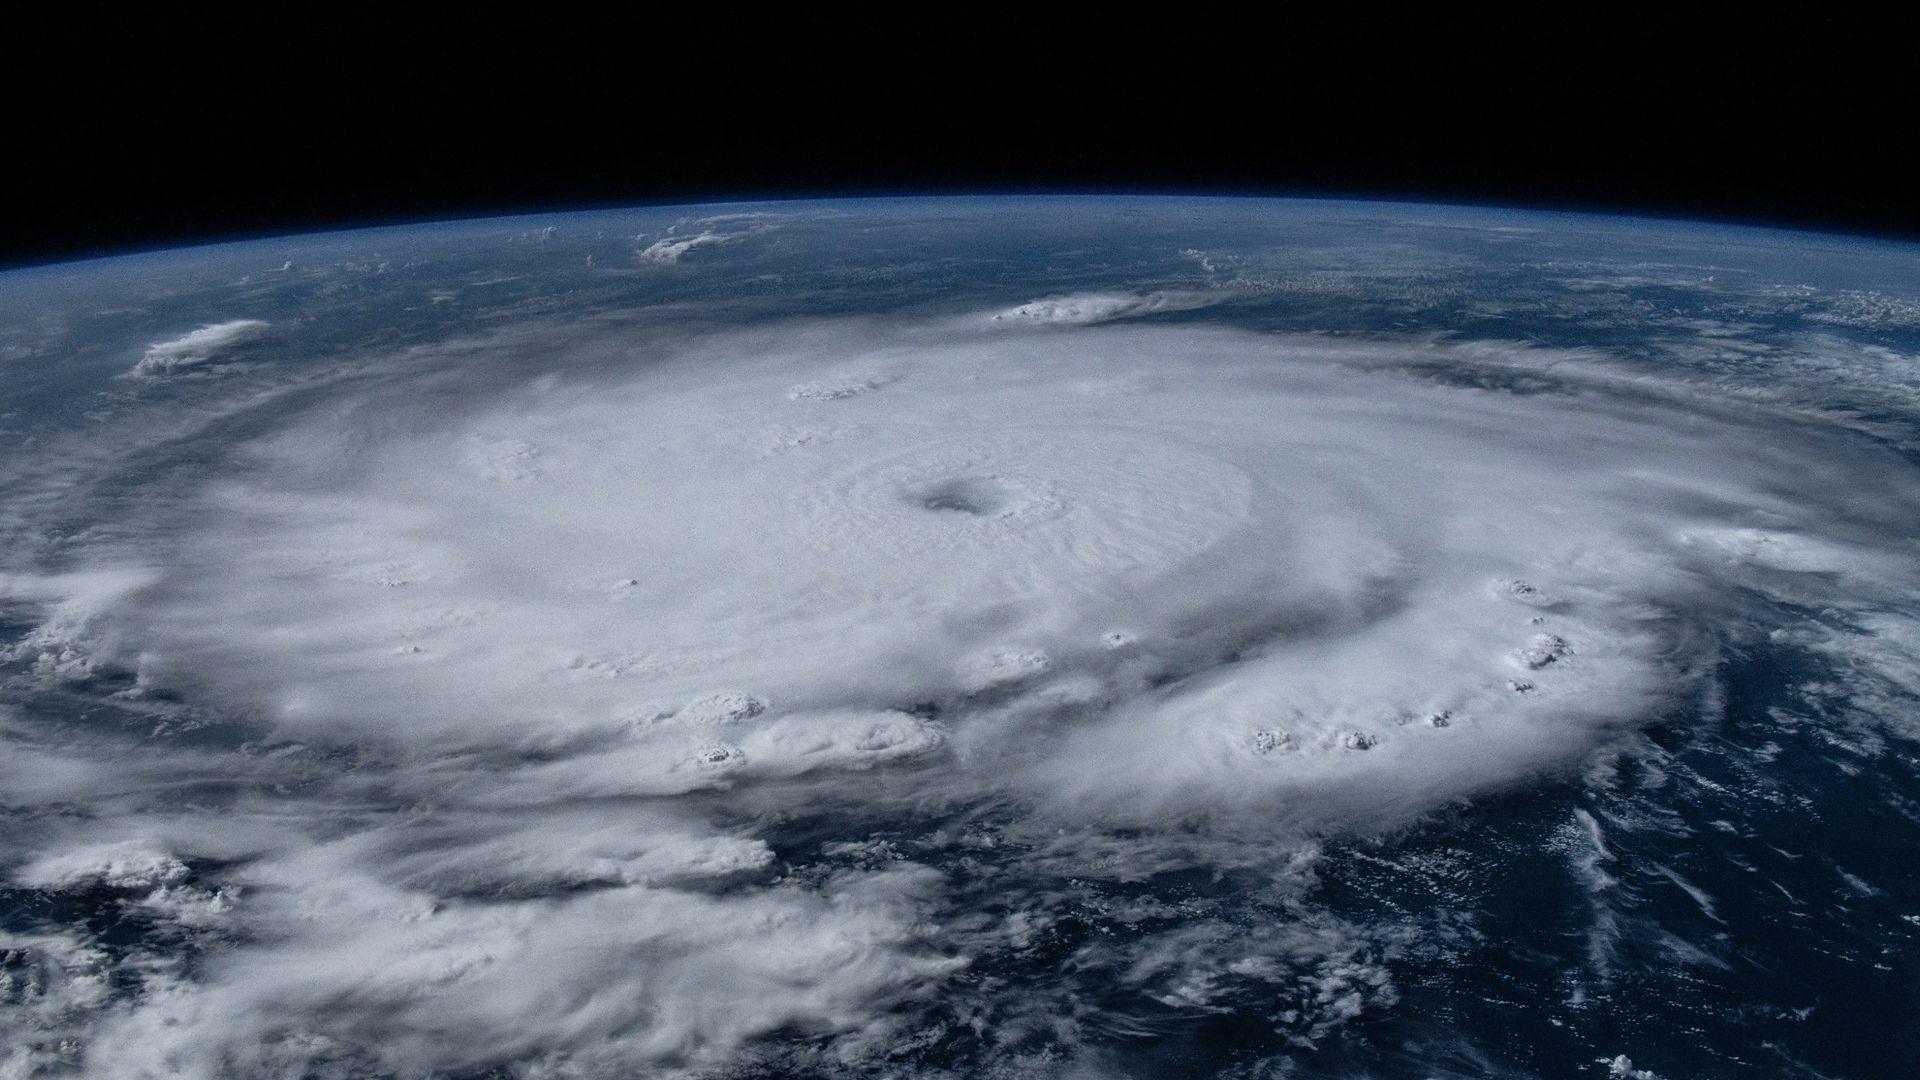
point(197, 347)
point(550, 641)
point(1160, 571)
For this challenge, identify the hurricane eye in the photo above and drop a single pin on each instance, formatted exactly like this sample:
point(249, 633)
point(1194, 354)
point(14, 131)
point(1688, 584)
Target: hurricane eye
point(978, 496)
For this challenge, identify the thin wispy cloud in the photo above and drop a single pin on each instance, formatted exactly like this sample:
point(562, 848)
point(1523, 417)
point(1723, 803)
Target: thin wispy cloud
point(196, 347)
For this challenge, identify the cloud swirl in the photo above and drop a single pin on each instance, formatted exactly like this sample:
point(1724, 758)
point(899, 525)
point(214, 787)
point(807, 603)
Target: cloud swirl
point(558, 697)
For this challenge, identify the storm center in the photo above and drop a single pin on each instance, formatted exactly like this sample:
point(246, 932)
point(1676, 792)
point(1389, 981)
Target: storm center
point(980, 496)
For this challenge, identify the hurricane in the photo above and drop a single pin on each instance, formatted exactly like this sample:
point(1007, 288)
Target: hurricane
point(962, 638)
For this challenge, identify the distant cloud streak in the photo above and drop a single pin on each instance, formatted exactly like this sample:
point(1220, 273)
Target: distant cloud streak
point(197, 347)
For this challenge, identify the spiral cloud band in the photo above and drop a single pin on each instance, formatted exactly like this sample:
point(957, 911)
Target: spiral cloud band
point(1164, 572)
point(563, 671)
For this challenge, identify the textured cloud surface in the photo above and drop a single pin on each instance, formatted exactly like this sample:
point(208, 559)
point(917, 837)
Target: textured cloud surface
point(560, 680)
point(1154, 570)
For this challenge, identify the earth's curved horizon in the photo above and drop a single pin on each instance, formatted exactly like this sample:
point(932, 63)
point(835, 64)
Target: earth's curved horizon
point(1028, 636)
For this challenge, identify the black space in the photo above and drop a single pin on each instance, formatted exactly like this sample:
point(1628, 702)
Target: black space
point(127, 134)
